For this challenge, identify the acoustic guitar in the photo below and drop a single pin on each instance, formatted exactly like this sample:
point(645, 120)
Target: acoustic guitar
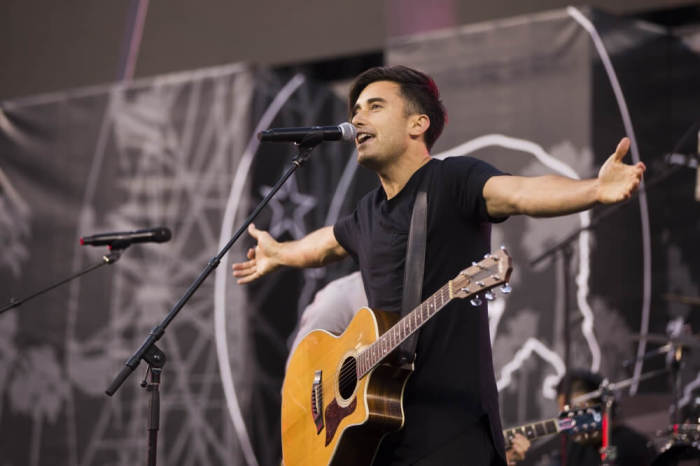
point(341, 393)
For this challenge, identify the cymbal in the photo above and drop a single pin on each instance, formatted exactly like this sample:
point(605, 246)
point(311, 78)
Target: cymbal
point(662, 339)
point(679, 298)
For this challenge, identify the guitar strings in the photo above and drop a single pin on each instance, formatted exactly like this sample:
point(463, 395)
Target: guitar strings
point(432, 309)
point(348, 371)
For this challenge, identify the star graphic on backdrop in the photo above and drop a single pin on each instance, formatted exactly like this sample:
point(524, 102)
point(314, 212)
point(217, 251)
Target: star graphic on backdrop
point(289, 207)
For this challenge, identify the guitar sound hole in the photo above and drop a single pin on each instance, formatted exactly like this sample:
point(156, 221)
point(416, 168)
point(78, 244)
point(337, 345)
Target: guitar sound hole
point(348, 378)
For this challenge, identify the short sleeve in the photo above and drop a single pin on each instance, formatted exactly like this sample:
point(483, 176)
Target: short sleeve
point(346, 231)
point(465, 178)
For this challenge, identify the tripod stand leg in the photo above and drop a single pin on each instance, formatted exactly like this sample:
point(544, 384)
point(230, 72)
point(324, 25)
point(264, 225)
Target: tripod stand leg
point(156, 360)
point(154, 415)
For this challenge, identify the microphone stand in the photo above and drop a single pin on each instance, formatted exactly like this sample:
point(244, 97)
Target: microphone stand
point(154, 356)
point(110, 258)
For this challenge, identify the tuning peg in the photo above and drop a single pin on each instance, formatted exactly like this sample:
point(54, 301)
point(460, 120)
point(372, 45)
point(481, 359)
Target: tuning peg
point(506, 288)
point(489, 296)
point(475, 301)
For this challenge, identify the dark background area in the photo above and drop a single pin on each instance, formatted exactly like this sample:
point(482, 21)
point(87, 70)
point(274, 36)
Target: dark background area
point(49, 46)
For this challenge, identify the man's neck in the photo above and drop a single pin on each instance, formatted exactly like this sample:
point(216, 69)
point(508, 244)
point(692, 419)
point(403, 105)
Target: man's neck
point(395, 176)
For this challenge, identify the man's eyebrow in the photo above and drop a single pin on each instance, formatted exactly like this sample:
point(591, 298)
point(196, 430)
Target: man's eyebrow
point(376, 99)
point(371, 100)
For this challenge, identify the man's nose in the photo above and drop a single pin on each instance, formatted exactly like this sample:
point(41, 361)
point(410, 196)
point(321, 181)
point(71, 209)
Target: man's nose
point(357, 119)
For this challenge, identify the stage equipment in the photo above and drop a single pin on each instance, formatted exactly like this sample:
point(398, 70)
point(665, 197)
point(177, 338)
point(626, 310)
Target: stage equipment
point(606, 393)
point(120, 240)
point(154, 356)
point(344, 131)
point(581, 425)
point(690, 300)
point(113, 256)
point(683, 444)
point(687, 160)
point(683, 439)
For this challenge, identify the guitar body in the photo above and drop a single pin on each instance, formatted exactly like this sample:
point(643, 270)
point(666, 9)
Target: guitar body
point(328, 416)
point(340, 397)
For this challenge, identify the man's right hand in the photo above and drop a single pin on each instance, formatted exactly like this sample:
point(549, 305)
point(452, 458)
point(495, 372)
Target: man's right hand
point(262, 259)
point(313, 250)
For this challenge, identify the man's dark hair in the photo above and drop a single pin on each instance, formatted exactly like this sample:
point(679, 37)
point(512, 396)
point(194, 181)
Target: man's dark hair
point(418, 89)
point(579, 381)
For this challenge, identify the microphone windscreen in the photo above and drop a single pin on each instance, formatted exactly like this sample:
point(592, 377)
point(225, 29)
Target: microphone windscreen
point(347, 131)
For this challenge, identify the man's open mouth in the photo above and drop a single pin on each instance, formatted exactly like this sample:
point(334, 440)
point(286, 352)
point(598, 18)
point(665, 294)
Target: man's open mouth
point(363, 137)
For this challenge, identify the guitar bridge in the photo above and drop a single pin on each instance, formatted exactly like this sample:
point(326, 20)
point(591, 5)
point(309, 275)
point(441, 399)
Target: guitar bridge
point(317, 401)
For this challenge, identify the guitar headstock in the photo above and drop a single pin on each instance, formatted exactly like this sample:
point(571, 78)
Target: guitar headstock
point(583, 425)
point(493, 270)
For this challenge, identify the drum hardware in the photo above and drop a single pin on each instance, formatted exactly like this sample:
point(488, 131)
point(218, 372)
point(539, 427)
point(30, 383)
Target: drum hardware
point(678, 298)
point(606, 393)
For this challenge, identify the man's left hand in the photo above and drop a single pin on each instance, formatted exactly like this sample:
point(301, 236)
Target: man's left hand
point(617, 181)
point(519, 445)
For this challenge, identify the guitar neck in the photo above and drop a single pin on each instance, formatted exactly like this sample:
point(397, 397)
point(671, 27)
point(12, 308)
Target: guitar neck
point(404, 328)
point(491, 271)
point(534, 430)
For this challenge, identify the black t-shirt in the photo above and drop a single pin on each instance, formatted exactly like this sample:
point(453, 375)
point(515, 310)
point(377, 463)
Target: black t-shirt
point(453, 385)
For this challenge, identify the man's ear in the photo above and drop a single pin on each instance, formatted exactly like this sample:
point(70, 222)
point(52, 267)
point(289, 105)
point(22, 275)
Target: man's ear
point(418, 124)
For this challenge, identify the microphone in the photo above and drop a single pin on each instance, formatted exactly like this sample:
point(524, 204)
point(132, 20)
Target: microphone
point(345, 131)
point(123, 239)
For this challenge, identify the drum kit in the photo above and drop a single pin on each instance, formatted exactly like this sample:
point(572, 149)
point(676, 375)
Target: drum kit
point(678, 444)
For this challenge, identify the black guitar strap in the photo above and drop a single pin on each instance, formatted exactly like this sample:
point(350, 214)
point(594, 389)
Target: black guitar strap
point(415, 263)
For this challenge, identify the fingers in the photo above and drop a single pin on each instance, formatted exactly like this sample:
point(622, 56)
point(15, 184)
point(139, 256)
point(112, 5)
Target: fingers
point(245, 272)
point(622, 148)
point(248, 279)
point(243, 266)
point(255, 267)
point(520, 445)
point(254, 232)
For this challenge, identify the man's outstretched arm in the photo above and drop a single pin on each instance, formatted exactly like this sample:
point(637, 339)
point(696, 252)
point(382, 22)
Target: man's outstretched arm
point(552, 195)
point(314, 250)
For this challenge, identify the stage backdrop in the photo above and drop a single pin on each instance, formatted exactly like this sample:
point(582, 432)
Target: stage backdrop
point(550, 93)
point(178, 151)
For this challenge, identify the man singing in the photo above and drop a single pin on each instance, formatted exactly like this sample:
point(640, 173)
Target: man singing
point(450, 400)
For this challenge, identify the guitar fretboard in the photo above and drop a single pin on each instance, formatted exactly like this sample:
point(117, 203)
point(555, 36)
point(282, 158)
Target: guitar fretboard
point(403, 329)
point(533, 431)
